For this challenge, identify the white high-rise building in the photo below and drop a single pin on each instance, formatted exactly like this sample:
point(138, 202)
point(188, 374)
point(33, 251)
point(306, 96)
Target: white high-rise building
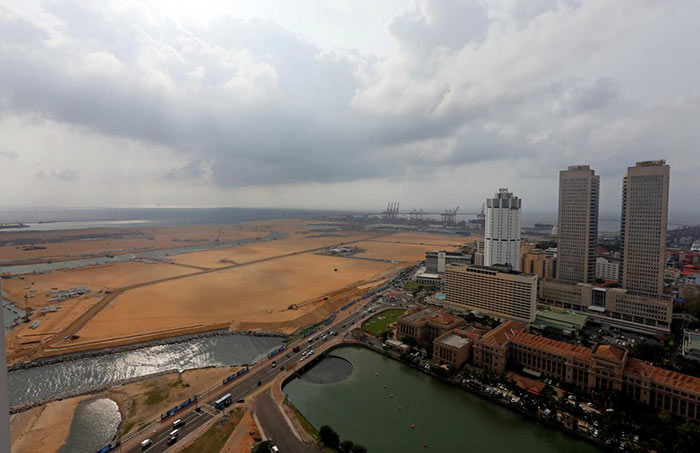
point(502, 231)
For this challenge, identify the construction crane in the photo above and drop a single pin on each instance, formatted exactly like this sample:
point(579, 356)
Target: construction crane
point(449, 217)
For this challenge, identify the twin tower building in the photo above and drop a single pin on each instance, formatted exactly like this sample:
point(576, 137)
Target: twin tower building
point(638, 302)
point(643, 226)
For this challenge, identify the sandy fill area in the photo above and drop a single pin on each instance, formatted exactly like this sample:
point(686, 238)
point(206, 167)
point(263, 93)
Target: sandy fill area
point(45, 428)
point(259, 292)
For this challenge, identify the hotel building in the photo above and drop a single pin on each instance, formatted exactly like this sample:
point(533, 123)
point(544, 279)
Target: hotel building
point(495, 291)
point(502, 231)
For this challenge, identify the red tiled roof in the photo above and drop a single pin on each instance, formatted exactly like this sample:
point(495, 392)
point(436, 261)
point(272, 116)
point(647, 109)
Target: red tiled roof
point(609, 352)
point(501, 334)
point(552, 346)
point(662, 376)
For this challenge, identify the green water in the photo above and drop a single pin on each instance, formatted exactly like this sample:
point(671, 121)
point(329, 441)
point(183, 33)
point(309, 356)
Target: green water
point(448, 419)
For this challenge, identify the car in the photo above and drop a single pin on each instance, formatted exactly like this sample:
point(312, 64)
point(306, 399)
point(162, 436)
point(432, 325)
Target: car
point(275, 449)
point(146, 444)
point(171, 440)
point(178, 423)
point(274, 363)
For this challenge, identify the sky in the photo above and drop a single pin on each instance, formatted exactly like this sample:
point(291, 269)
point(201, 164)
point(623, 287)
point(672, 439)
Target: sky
point(343, 104)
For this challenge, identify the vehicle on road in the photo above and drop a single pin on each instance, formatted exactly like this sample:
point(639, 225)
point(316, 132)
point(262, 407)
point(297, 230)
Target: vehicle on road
point(145, 444)
point(172, 436)
point(178, 423)
point(223, 402)
point(274, 363)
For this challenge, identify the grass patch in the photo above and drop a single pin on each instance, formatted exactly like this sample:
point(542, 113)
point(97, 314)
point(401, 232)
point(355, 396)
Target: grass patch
point(379, 323)
point(216, 437)
point(306, 424)
point(415, 286)
point(156, 395)
point(127, 427)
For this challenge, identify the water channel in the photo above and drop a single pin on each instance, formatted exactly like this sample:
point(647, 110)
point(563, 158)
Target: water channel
point(94, 425)
point(447, 419)
point(49, 380)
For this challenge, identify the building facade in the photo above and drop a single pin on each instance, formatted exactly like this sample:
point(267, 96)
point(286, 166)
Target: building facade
point(577, 225)
point(493, 291)
point(607, 269)
point(502, 231)
point(537, 262)
point(436, 261)
point(648, 314)
point(427, 324)
point(643, 227)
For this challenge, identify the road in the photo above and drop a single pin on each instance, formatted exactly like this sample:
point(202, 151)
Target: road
point(276, 427)
point(247, 384)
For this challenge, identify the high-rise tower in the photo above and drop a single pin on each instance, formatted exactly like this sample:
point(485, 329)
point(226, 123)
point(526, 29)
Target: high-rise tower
point(643, 227)
point(577, 225)
point(502, 230)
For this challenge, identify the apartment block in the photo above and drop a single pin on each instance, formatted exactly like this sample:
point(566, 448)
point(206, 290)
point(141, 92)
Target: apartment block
point(502, 230)
point(607, 269)
point(495, 291)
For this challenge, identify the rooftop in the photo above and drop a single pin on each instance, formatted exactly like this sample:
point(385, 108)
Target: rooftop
point(501, 334)
point(610, 352)
point(453, 340)
point(693, 340)
point(562, 317)
point(432, 315)
point(662, 376)
point(552, 346)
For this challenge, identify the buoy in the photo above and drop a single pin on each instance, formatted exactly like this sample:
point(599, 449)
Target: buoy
point(391, 395)
point(413, 426)
point(400, 408)
point(425, 445)
point(384, 385)
point(376, 374)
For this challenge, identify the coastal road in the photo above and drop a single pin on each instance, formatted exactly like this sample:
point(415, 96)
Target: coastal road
point(193, 420)
point(247, 384)
point(276, 427)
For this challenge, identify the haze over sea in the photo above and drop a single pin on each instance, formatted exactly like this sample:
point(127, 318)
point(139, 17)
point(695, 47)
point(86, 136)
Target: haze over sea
point(43, 219)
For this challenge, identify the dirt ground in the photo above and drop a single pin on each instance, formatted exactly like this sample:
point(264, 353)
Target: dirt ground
point(243, 437)
point(45, 428)
point(144, 400)
point(143, 238)
point(295, 242)
point(260, 292)
point(277, 285)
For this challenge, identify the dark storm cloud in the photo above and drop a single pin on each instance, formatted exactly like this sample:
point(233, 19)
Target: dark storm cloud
point(247, 102)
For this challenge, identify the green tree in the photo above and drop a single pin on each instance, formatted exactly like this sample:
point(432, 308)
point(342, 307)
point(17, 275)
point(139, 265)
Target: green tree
point(357, 448)
point(263, 447)
point(346, 446)
point(329, 437)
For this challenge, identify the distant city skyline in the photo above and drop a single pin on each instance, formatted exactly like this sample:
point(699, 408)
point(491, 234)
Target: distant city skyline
point(342, 105)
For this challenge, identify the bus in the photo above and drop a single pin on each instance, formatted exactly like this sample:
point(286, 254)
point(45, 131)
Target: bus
point(224, 401)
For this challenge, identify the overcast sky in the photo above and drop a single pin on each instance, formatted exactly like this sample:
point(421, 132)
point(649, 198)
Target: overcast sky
point(345, 104)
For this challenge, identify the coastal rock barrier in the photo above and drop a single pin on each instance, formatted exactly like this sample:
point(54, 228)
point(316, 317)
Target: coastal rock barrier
point(130, 347)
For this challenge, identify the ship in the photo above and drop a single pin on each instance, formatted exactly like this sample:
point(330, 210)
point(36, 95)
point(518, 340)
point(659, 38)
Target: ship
point(8, 226)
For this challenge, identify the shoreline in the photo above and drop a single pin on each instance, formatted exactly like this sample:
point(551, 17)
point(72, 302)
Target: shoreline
point(473, 391)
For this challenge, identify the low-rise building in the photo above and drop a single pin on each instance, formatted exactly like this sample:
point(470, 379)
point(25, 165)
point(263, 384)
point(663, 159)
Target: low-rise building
point(454, 347)
point(648, 314)
point(427, 324)
point(564, 320)
point(691, 344)
point(496, 291)
point(490, 351)
point(436, 260)
point(429, 279)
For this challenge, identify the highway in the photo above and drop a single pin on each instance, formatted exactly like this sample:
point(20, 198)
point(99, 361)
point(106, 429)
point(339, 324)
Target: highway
point(243, 386)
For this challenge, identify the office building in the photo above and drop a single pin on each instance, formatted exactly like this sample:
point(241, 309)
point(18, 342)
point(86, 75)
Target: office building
point(537, 262)
point(607, 269)
point(502, 231)
point(577, 226)
point(436, 261)
point(649, 314)
point(496, 291)
point(454, 347)
point(643, 227)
